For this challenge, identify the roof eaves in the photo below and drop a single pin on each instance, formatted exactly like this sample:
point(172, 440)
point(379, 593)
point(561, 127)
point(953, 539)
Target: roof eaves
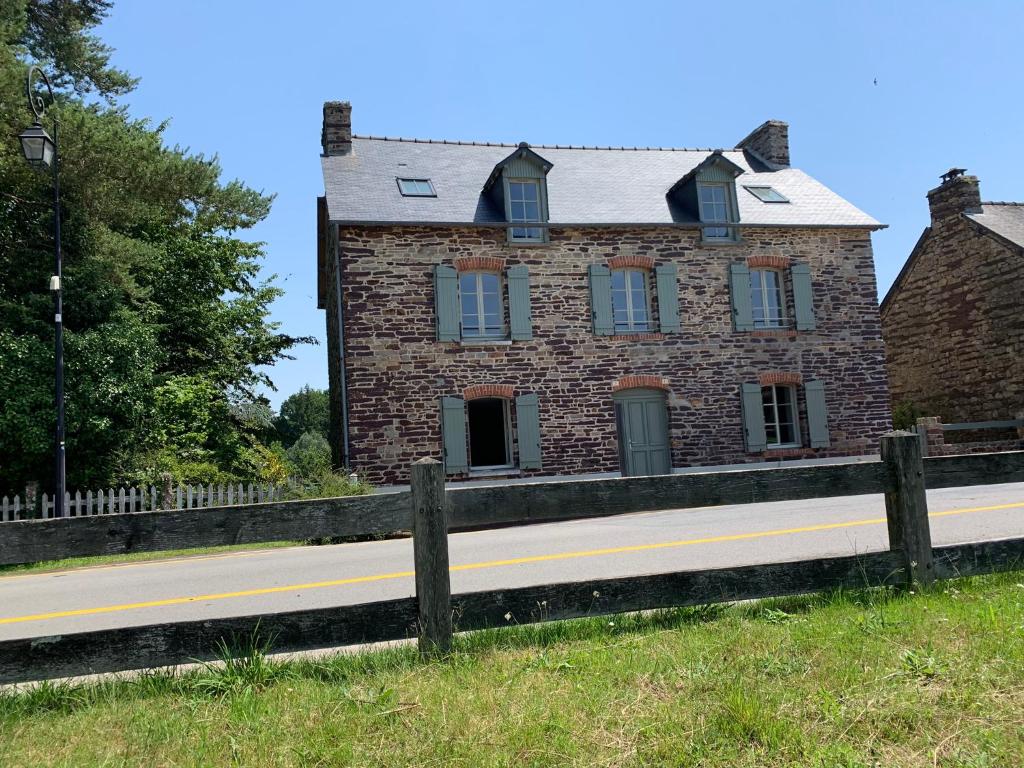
point(604, 225)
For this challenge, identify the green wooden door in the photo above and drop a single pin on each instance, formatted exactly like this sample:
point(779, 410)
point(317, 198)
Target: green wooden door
point(642, 419)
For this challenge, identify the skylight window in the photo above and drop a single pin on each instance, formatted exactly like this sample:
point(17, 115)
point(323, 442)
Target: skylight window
point(767, 194)
point(416, 188)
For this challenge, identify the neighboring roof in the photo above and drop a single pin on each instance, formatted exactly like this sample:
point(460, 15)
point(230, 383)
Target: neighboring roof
point(585, 186)
point(1003, 219)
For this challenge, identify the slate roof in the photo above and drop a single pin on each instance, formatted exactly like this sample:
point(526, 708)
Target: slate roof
point(1004, 219)
point(585, 186)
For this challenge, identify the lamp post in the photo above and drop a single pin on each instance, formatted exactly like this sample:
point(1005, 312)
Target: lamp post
point(41, 152)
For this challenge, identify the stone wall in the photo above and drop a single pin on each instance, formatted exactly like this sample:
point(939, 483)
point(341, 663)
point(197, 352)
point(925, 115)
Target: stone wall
point(397, 371)
point(954, 324)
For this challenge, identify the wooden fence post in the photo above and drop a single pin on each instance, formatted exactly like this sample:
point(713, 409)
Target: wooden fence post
point(430, 555)
point(906, 506)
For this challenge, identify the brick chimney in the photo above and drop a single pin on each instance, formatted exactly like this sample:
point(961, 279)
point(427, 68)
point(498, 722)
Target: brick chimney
point(956, 194)
point(336, 136)
point(769, 141)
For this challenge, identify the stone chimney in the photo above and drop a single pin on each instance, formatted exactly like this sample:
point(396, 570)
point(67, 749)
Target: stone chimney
point(956, 194)
point(336, 136)
point(769, 141)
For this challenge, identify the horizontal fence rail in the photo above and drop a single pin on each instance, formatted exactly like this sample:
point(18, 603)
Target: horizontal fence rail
point(430, 511)
point(39, 540)
point(164, 645)
point(972, 425)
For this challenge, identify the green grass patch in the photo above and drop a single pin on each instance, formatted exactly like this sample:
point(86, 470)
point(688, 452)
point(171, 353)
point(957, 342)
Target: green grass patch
point(854, 679)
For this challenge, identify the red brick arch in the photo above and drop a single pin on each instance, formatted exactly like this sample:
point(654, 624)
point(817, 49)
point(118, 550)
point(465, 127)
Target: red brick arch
point(479, 264)
point(767, 379)
point(630, 261)
point(641, 380)
point(476, 391)
point(768, 261)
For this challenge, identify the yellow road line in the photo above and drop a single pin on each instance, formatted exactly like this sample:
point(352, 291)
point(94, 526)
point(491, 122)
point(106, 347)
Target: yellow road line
point(487, 564)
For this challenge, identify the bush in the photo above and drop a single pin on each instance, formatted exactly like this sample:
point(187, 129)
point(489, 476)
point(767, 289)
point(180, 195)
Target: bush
point(905, 415)
point(310, 455)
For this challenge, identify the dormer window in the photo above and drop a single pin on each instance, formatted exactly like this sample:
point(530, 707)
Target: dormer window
point(517, 191)
point(708, 194)
point(524, 206)
point(714, 207)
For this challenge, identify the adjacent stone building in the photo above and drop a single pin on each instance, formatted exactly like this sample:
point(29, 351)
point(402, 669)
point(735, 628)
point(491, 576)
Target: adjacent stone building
point(523, 309)
point(953, 320)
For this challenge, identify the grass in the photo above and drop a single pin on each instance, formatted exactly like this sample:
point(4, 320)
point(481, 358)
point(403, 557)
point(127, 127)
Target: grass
point(846, 680)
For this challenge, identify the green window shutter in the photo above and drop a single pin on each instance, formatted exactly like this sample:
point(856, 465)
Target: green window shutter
point(739, 286)
point(453, 431)
point(753, 418)
point(601, 299)
point(520, 321)
point(817, 414)
point(446, 302)
point(528, 429)
point(668, 297)
point(803, 298)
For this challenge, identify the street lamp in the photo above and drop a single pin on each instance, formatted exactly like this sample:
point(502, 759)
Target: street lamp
point(41, 153)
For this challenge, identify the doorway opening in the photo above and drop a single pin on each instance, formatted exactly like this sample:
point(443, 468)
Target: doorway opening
point(490, 433)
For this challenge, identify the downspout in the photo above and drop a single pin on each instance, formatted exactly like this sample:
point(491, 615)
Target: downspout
point(341, 349)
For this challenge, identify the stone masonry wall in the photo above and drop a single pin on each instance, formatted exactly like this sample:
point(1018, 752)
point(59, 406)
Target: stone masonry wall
point(396, 370)
point(954, 328)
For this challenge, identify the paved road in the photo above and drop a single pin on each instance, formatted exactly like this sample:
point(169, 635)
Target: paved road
point(307, 577)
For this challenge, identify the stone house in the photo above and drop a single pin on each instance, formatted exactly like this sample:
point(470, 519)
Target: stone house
point(953, 320)
point(525, 310)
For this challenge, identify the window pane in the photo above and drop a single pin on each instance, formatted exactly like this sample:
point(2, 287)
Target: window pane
point(529, 192)
point(531, 212)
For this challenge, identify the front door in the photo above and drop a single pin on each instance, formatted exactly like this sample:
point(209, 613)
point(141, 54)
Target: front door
point(642, 419)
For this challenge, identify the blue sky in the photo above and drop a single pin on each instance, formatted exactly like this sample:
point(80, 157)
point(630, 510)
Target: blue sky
point(247, 79)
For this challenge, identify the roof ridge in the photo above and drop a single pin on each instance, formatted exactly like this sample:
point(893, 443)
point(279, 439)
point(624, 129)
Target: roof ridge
point(543, 146)
point(999, 202)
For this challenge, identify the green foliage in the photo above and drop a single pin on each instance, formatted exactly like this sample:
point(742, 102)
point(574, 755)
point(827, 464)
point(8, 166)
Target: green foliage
point(308, 410)
point(905, 415)
point(167, 338)
point(310, 455)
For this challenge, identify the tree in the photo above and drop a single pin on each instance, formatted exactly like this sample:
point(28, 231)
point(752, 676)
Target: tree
point(310, 455)
point(308, 410)
point(166, 317)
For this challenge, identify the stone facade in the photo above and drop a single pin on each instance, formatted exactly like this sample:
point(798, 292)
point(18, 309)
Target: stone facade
point(954, 319)
point(396, 372)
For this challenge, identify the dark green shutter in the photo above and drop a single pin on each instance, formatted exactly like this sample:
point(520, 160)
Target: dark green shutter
point(817, 414)
point(453, 431)
point(739, 287)
point(446, 303)
point(803, 298)
point(601, 299)
point(520, 321)
point(668, 297)
point(753, 418)
point(528, 431)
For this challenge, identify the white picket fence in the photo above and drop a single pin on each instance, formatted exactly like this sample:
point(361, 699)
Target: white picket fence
point(127, 500)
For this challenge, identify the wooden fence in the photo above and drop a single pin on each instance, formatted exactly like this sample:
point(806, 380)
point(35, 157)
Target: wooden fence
point(430, 511)
point(115, 501)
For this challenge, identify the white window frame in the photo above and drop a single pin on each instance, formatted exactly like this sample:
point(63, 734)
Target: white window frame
point(632, 325)
point(506, 405)
point(541, 235)
point(719, 224)
point(502, 332)
point(795, 424)
point(759, 274)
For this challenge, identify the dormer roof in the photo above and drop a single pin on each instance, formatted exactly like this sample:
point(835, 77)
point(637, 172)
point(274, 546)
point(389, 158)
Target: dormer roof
point(523, 157)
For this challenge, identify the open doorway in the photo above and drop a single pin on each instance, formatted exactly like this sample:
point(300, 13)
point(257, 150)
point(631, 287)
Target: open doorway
point(490, 433)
